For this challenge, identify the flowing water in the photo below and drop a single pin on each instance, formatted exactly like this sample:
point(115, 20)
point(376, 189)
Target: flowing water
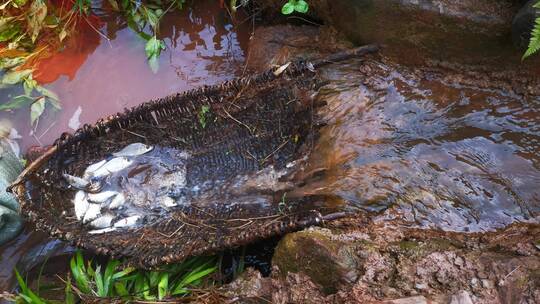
point(436, 148)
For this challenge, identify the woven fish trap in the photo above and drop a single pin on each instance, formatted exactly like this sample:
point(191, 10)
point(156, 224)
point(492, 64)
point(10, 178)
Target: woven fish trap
point(234, 131)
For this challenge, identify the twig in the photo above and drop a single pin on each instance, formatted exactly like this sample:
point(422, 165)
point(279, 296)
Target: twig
point(273, 152)
point(236, 120)
point(99, 33)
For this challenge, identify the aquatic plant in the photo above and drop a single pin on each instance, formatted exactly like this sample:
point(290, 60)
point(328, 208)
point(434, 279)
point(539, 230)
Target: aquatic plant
point(112, 280)
point(534, 42)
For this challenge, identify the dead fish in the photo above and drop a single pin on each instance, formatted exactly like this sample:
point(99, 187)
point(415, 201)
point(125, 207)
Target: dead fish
point(93, 211)
point(100, 231)
point(127, 222)
point(102, 197)
point(81, 204)
point(114, 165)
point(89, 172)
point(118, 201)
point(83, 184)
point(134, 149)
point(102, 221)
point(76, 182)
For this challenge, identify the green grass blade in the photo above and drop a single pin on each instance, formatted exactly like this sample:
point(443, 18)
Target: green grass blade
point(107, 276)
point(163, 286)
point(69, 296)
point(121, 289)
point(99, 283)
point(122, 274)
point(27, 294)
point(81, 280)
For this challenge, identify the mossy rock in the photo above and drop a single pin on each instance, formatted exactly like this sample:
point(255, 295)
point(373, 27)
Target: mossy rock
point(326, 260)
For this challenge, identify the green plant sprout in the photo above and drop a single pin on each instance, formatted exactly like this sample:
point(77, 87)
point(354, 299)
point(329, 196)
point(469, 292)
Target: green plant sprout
point(292, 6)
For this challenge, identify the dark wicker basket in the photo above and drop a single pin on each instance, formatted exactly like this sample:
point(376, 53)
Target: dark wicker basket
point(258, 121)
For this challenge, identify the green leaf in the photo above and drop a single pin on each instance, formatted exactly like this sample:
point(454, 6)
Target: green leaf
point(17, 102)
point(69, 296)
point(15, 77)
point(534, 43)
point(36, 109)
point(8, 63)
point(163, 285)
point(152, 18)
point(288, 8)
point(99, 283)
point(10, 31)
point(202, 115)
point(47, 93)
point(121, 289)
point(29, 85)
point(153, 47)
point(20, 2)
point(153, 62)
point(301, 6)
point(107, 276)
point(123, 273)
point(27, 294)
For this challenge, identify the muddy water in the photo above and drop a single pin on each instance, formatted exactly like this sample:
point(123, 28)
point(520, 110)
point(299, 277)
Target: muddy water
point(440, 149)
point(97, 75)
point(103, 73)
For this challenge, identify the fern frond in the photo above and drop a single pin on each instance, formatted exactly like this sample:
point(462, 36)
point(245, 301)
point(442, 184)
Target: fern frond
point(534, 43)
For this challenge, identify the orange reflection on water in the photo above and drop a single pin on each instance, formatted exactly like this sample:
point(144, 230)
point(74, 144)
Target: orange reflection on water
point(96, 76)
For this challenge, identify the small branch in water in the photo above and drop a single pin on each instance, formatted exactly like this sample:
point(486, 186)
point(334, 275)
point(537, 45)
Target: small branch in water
point(305, 20)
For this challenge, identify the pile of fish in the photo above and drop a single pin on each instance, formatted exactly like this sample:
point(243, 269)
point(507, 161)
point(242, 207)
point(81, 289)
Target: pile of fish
point(123, 190)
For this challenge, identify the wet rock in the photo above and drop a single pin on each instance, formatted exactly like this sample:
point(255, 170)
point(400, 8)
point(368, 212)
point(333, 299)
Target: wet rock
point(461, 297)
point(469, 31)
point(250, 287)
point(276, 45)
point(327, 261)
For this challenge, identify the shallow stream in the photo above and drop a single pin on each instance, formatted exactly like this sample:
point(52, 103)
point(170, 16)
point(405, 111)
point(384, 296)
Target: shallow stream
point(437, 148)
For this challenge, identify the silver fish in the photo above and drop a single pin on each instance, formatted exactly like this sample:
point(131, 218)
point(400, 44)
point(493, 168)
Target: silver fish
point(100, 231)
point(102, 221)
point(80, 204)
point(114, 165)
point(134, 149)
point(93, 211)
point(127, 222)
point(102, 197)
point(89, 172)
point(83, 184)
point(118, 201)
point(76, 182)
